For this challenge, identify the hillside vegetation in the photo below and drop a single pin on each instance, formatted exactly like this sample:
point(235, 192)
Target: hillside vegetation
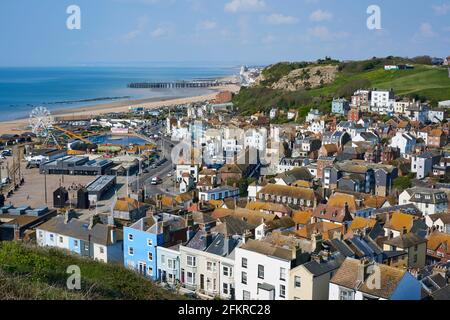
point(32, 274)
point(424, 82)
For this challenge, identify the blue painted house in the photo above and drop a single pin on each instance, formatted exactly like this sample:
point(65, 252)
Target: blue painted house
point(340, 106)
point(142, 239)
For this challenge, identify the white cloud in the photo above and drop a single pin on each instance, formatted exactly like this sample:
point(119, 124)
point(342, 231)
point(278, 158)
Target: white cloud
point(244, 5)
point(426, 30)
point(320, 15)
point(441, 10)
point(323, 33)
point(207, 25)
point(159, 32)
point(133, 34)
point(279, 19)
point(319, 32)
point(269, 39)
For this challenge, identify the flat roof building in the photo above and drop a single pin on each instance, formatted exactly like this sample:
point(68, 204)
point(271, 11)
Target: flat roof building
point(99, 187)
point(77, 166)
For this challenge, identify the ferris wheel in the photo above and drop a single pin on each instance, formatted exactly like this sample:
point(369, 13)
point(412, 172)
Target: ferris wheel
point(41, 122)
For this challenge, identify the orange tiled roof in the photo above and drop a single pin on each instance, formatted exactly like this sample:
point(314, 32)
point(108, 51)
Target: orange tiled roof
point(436, 239)
point(340, 199)
point(302, 217)
point(361, 223)
point(399, 221)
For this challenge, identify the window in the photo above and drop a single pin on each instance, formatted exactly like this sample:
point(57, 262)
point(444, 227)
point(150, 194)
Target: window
point(246, 295)
point(415, 258)
point(225, 289)
point(282, 274)
point(61, 239)
point(51, 238)
point(190, 278)
point(150, 242)
point(102, 250)
point(244, 263)
point(150, 256)
point(210, 266)
point(244, 278)
point(171, 264)
point(130, 251)
point(191, 261)
point(41, 234)
point(260, 271)
point(75, 244)
point(130, 237)
point(297, 282)
point(163, 259)
point(227, 271)
point(346, 295)
point(282, 291)
point(150, 271)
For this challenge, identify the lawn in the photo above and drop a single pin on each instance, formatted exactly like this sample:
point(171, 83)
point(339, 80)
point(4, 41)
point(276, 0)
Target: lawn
point(34, 273)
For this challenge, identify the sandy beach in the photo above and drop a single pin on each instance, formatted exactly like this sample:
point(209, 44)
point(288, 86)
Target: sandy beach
point(19, 126)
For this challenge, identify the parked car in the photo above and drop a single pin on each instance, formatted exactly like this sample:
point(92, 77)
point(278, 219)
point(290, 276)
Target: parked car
point(156, 181)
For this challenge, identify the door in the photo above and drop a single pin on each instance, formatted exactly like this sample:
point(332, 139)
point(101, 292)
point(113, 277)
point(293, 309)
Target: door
point(142, 268)
point(202, 282)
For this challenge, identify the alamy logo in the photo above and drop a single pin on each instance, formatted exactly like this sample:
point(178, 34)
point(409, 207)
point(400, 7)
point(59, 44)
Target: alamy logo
point(74, 20)
point(74, 280)
point(374, 20)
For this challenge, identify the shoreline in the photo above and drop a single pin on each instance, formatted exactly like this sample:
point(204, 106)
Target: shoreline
point(19, 125)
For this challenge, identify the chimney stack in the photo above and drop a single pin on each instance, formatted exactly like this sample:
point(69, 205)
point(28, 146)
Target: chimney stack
point(113, 235)
point(93, 221)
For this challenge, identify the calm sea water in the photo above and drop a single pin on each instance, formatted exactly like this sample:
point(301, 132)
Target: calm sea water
point(22, 89)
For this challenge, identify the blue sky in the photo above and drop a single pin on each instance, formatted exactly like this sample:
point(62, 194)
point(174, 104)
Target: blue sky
point(34, 33)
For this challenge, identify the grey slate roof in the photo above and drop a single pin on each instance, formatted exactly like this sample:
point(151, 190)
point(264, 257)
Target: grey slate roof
point(318, 269)
point(99, 234)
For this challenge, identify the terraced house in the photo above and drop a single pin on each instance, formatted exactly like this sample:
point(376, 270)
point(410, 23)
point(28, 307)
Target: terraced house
point(360, 176)
point(92, 239)
point(142, 239)
point(263, 268)
point(428, 201)
point(292, 196)
point(207, 264)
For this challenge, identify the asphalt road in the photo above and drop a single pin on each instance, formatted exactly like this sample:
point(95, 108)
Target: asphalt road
point(143, 181)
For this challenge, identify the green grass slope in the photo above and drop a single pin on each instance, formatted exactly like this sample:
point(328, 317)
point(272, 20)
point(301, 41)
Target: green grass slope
point(33, 274)
point(424, 82)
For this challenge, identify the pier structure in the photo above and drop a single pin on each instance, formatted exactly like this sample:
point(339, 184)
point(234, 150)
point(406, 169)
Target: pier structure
point(177, 84)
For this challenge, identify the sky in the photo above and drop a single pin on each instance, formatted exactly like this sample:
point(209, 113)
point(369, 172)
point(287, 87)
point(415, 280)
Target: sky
point(128, 32)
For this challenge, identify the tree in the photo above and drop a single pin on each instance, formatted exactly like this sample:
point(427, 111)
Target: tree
point(402, 183)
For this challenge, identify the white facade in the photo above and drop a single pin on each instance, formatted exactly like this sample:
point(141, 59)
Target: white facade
point(436, 116)
point(317, 127)
point(256, 138)
point(421, 166)
point(192, 170)
point(382, 102)
point(426, 207)
point(403, 141)
point(273, 285)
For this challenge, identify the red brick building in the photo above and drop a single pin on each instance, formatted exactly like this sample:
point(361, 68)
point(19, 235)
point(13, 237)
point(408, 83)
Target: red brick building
point(437, 139)
point(354, 115)
point(224, 97)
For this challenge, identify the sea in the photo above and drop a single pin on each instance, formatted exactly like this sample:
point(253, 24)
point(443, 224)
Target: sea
point(58, 88)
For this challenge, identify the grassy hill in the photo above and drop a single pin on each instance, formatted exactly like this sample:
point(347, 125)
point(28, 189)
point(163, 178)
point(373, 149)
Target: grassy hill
point(31, 273)
point(424, 82)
